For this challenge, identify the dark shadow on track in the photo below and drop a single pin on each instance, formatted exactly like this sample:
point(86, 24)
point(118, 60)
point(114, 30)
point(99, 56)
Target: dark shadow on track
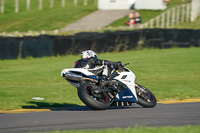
point(66, 106)
point(53, 106)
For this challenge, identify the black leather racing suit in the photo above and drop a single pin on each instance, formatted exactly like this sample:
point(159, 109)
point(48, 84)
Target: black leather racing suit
point(90, 63)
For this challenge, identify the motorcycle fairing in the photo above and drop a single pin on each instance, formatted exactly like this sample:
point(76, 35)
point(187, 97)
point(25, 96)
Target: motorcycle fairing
point(125, 95)
point(129, 93)
point(84, 71)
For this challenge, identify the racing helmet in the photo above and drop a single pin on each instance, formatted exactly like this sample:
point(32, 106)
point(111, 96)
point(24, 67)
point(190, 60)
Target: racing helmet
point(88, 54)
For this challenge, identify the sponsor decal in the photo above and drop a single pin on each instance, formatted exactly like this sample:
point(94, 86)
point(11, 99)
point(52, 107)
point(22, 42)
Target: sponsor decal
point(123, 77)
point(125, 97)
point(126, 80)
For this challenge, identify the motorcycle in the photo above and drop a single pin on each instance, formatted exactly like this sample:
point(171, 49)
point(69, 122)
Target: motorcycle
point(99, 94)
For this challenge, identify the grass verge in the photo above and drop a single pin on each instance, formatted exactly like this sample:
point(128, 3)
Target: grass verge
point(138, 129)
point(45, 19)
point(168, 73)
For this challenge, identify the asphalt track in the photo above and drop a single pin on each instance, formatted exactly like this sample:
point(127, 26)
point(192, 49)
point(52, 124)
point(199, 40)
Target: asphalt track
point(81, 117)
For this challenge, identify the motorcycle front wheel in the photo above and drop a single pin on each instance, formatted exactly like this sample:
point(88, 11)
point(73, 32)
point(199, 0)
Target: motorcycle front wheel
point(86, 93)
point(145, 97)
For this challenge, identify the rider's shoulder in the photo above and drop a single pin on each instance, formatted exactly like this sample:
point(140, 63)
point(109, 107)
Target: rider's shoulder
point(92, 58)
point(80, 60)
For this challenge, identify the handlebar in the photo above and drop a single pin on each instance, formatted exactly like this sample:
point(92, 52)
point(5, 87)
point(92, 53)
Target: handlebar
point(120, 68)
point(126, 64)
point(123, 65)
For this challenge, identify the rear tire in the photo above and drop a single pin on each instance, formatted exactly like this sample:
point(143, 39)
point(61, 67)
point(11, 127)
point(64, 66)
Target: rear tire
point(91, 99)
point(146, 99)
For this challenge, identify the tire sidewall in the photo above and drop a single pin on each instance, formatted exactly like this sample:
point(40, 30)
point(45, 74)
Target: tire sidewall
point(91, 102)
point(146, 104)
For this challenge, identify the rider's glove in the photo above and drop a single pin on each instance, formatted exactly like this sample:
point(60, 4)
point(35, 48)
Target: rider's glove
point(111, 65)
point(114, 65)
point(118, 64)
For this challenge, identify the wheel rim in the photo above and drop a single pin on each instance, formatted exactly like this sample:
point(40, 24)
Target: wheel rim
point(98, 97)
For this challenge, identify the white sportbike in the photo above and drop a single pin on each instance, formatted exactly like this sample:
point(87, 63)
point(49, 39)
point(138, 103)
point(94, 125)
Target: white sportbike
point(119, 90)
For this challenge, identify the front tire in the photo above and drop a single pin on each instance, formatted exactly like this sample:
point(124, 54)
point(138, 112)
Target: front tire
point(93, 100)
point(145, 97)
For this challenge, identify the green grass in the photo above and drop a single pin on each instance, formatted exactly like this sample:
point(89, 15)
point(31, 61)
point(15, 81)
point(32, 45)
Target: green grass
point(139, 129)
point(46, 19)
point(147, 14)
point(168, 73)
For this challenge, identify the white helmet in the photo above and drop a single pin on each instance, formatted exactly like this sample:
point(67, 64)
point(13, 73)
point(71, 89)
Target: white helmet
point(88, 54)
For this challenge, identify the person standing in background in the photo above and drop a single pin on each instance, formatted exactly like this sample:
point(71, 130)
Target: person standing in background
point(131, 20)
point(138, 20)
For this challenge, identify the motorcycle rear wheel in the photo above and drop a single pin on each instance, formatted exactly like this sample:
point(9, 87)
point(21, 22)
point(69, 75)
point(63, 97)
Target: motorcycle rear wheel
point(146, 99)
point(93, 100)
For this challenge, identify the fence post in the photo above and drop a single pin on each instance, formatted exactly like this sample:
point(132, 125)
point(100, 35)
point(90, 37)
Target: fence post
point(55, 32)
point(199, 8)
point(168, 18)
point(178, 15)
point(158, 21)
point(85, 2)
point(75, 2)
point(194, 10)
point(16, 6)
point(40, 4)
point(163, 20)
point(2, 6)
point(151, 23)
point(183, 13)
point(146, 25)
point(63, 3)
point(43, 32)
point(51, 3)
point(188, 12)
point(28, 2)
point(173, 16)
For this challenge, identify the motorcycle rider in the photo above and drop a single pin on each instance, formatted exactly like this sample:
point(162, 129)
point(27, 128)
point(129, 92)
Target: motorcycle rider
point(89, 60)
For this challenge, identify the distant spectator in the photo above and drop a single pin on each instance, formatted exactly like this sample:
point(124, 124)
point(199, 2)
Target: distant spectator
point(131, 20)
point(138, 19)
point(167, 1)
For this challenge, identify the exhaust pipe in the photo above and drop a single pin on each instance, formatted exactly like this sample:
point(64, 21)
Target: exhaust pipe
point(72, 76)
point(76, 77)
